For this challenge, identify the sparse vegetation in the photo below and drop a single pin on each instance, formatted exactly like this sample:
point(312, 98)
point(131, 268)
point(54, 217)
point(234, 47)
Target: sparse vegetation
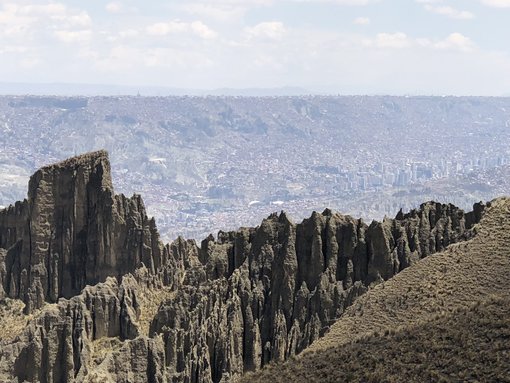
point(103, 347)
point(13, 320)
point(444, 319)
point(468, 345)
point(149, 300)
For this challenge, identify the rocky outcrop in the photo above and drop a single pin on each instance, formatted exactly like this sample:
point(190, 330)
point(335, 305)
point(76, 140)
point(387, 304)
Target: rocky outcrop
point(3, 272)
point(137, 360)
point(73, 231)
point(265, 294)
point(237, 301)
point(92, 337)
point(57, 345)
point(12, 222)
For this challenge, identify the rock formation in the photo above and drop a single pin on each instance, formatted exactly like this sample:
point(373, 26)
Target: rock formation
point(90, 260)
point(265, 294)
point(73, 231)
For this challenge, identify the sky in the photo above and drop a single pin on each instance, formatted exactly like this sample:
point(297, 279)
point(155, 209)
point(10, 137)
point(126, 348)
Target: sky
point(401, 47)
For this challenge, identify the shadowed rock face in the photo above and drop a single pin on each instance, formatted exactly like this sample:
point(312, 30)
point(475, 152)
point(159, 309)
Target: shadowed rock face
point(238, 301)
point(73, 231)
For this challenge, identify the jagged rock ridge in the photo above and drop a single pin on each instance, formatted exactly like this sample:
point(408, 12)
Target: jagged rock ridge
point(426, 324)
point(267, 293)
point(238, 301)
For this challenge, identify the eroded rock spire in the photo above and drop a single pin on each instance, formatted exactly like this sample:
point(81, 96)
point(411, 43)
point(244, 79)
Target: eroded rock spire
point(71, 231)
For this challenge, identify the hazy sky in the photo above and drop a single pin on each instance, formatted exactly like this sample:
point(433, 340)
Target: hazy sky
point(336, 46)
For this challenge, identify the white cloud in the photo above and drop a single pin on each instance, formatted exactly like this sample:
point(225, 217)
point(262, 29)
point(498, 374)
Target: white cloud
point(456, 41)
point(271, 30)
point(29, 62)
point(28, 20)
point(394, 63)
point(163, 29)
point(73, 36)
point(215, 45)
point(232, 11)
point(202, 30)
point(397, 40)
point(128, 33)
point(13, 22)
point(239, 2)
point(57, 12)
point(13, 49)
point(497, 3)
point(450, 12)
point(170, 58)
point(340, 2)
point(51, 9)
point(114, 7)
point(196, 28)
point(258, 3)
point(361, 21)
point(220, 12)
point(126, 58)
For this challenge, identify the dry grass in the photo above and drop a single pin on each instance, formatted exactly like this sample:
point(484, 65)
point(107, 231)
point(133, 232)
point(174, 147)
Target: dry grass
point(100, 350)
point(103, 347)
point(149, 301)
point(436, 287)
point(468, 345)
point(12, 319)
point(463, 274)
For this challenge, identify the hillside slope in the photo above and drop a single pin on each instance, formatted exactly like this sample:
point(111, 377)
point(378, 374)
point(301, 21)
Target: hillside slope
point(467, 345)
point(105, 300)
point(444, 318)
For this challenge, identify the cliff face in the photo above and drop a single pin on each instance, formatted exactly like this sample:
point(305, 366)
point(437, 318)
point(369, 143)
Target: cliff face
point(73, 231)
point(231, 305)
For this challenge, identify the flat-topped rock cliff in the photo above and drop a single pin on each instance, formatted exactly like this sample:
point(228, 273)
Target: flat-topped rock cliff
point(72, 231)
point(105, 300)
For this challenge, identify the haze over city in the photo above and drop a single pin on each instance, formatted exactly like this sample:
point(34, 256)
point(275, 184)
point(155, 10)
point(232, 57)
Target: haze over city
point(244, 191)
point(325, 46)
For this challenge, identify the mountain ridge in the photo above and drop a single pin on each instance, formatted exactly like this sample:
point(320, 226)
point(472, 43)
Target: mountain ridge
point(193, 313)
point(443, 291)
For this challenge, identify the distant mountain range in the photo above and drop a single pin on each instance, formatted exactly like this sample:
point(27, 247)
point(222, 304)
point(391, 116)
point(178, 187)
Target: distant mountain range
point(66, 89)
point(219, 162)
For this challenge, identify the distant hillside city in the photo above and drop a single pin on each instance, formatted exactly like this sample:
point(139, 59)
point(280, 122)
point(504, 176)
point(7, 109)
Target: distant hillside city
point(218, 162)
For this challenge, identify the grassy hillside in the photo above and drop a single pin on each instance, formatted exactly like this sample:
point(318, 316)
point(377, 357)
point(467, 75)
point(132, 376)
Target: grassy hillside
point(470, 344)
point(444, 319)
